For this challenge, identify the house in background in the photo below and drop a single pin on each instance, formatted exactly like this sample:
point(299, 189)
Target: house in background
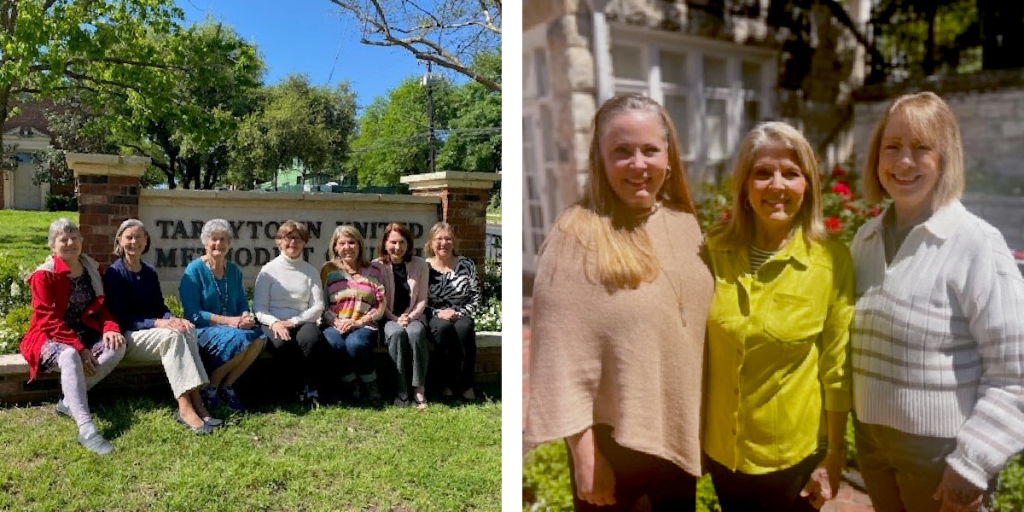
point(715, 65)
point(25, 134)
point(298, 179)
point(721, 66)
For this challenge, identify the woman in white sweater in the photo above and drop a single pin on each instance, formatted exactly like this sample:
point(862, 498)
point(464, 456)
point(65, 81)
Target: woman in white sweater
point(288, 301)
point(938, 335)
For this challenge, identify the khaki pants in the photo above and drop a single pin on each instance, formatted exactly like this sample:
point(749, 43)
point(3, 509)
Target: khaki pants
point(177, 351)
point(901, 471)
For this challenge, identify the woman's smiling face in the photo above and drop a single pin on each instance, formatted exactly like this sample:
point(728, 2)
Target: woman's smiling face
point(634, 152)
point(908, 167)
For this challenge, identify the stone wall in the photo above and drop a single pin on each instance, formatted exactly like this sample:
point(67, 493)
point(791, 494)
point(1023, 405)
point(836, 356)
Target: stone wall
point(1006, 213)
point(991, 124)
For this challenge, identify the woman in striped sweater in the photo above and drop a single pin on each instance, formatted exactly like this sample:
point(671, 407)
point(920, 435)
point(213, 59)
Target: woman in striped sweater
point(354, 295)
point(938, 335)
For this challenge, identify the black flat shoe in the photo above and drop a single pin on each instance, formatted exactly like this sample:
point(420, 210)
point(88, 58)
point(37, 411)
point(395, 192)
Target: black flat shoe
point(199, 431)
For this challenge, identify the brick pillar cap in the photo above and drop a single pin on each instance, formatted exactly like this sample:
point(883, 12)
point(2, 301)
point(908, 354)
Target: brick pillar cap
point(107, 165)
point(451, 179)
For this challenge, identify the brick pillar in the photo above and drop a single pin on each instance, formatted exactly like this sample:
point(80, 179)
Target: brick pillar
point(464, 197)
point(108, 193)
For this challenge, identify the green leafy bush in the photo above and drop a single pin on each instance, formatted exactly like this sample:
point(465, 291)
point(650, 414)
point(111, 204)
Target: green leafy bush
point(546, 483)
point(174, 304)
point(492, 279)
point(61, 203)
point(1008, 493)
point(12, 328)
point(489, 318)
point(14, 292)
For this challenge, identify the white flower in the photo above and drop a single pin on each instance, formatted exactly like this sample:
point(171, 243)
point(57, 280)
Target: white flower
point(15, 289)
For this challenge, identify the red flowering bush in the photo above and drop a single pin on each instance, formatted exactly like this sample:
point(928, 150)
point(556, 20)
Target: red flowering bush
point(844, 212)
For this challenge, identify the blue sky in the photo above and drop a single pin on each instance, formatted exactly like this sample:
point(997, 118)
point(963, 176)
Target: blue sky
point(305, 36)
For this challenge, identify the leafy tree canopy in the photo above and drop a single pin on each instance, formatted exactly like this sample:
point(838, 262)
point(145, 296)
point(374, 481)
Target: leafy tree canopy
point(295, 120)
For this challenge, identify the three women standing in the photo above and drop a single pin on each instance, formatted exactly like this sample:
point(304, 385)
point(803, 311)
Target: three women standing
point(620, 305)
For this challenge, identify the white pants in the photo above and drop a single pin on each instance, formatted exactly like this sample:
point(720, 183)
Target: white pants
point(178, 352)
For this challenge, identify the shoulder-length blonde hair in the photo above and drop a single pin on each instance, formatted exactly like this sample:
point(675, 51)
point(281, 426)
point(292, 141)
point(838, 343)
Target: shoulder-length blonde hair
point(428, 248)
point(931, 119)
point(625, 256)
point(739, 231)
point(348, 231)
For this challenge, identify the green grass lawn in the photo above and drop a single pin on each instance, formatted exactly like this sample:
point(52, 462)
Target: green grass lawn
point(23, 234)
point(280, 457)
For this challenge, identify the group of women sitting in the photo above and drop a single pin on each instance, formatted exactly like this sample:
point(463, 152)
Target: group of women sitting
point(659, 353)
point(321, 325)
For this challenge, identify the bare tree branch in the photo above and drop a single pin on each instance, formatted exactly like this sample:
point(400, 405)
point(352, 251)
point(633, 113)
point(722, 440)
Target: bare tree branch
point(444, 38)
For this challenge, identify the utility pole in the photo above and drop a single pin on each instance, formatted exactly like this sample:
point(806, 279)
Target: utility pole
point(430, 110)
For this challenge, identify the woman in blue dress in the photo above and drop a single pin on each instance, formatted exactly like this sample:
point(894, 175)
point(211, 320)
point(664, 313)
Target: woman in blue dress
point(213, 297)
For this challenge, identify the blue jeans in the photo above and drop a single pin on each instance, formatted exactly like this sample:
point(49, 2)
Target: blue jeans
point(355, 352)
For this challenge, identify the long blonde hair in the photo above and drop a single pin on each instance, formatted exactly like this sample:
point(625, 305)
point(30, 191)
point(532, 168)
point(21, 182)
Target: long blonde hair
point(739, 231)
point(602, 222)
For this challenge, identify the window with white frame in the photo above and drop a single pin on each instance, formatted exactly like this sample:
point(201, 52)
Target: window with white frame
point(715, 92)
point(540, 183)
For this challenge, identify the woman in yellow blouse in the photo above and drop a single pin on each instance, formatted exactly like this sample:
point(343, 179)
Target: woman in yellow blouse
point(778, 333)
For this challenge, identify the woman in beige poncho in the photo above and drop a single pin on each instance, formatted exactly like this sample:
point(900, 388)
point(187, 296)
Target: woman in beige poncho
point(620, 303)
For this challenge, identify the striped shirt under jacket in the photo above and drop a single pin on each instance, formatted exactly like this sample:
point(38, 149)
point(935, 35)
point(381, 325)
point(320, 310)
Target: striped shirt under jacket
point(938, 338)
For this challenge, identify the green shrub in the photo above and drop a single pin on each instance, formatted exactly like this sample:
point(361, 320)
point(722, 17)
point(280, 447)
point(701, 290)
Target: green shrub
point(1008, 493)
point(489, 318)
point(492, 279)
point(174, 305)
point(12, 328)
point(14, 292)
point(61, 203)
point(546, 483)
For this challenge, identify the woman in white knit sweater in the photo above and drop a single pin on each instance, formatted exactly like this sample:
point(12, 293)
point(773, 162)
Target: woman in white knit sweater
point(938, 336)
point(288, 301)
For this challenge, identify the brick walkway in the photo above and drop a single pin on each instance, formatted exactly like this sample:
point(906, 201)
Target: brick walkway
point(850, 499)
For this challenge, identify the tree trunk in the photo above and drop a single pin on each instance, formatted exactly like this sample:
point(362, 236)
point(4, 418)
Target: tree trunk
point(929, 45)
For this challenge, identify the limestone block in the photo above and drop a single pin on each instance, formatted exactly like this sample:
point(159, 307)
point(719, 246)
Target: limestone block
point(995, 109)
point(584, 107)
point(1013, 129)
point(580, 68)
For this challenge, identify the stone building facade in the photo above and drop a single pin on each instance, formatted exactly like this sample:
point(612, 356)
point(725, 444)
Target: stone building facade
point(718, 71)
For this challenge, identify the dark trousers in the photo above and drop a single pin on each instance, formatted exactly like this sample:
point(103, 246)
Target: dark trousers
point(302, 355)
point(456, 343)
point(778, 491)
point(637, 474)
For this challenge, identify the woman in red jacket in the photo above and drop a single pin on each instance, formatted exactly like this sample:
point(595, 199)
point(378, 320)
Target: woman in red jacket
point(71, 331)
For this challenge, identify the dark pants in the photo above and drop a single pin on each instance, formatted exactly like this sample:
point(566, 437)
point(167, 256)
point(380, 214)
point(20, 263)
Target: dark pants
point(303, 354)
point(638, 474)
point(456, 343)
point(354, 351)
point(778, 491)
